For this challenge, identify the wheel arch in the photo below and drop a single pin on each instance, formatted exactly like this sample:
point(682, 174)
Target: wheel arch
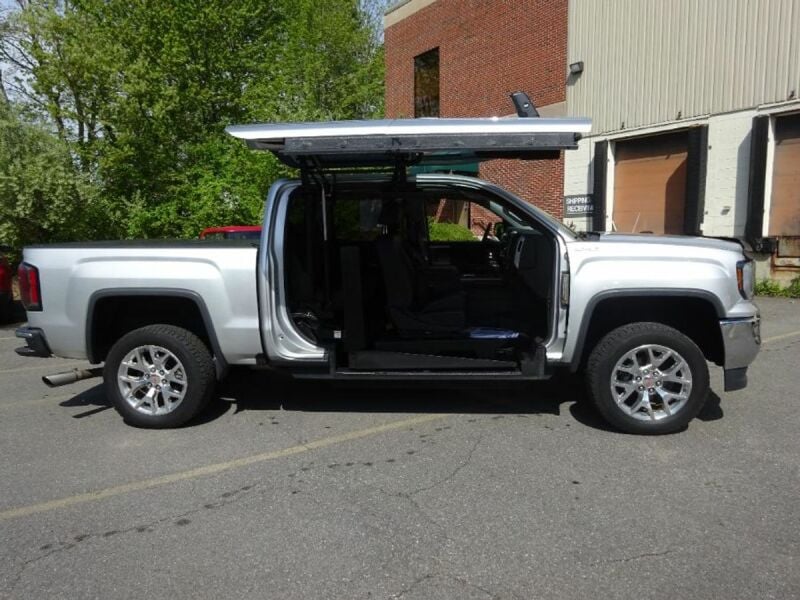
point(180, 307)
point(695, 313)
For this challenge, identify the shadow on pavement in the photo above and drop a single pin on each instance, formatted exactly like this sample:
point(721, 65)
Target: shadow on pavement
point(92, 397)
point(258, 391)
point(712, 411)
point(585, 413)
point(246, 390)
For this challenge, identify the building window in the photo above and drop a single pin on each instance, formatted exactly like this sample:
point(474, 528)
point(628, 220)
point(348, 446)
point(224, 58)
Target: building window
point(426, 84)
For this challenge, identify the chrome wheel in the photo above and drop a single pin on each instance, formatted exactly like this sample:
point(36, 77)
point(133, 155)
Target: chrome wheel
point(152, 380)
point(651, 382)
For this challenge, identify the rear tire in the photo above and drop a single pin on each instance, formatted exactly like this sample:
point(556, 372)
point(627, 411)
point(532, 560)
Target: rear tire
point(647, 378)
point(159, 376)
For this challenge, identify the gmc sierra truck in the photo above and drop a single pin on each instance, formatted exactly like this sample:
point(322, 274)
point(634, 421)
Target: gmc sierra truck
point(353, 279)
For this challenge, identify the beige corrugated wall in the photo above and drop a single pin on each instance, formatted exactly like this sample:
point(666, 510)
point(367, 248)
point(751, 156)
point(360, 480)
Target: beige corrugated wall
point(653, 61)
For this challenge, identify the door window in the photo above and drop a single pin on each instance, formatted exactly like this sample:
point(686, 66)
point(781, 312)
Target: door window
point(452, 220)
point(357, 220)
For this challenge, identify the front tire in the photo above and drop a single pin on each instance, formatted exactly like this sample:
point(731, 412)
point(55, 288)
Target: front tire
point(647, 378)
point(159, 376)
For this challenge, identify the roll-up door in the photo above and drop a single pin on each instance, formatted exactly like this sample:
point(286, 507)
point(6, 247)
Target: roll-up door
point(650, 184)
point(784, 211)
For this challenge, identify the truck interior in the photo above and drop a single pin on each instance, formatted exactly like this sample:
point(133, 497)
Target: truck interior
point(401, 274)
point(412, 276)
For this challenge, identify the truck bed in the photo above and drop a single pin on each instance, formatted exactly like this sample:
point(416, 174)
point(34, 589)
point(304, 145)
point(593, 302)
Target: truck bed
point(221, 274)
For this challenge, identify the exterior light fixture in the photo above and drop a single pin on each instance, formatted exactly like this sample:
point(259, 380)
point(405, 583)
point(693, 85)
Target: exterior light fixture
point(576, 68)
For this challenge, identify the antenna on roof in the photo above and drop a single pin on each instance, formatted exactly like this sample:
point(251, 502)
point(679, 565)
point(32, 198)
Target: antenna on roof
point(523, 104)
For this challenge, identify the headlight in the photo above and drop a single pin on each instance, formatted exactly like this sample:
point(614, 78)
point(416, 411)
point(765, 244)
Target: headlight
point(746, 278)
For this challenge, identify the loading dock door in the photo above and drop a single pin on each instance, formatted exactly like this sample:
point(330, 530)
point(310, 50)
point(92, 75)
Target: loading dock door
point(650, 184)
point(784, 212)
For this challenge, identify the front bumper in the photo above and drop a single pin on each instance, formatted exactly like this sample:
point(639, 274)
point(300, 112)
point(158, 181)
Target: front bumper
point(36, 343)
point(741, 340)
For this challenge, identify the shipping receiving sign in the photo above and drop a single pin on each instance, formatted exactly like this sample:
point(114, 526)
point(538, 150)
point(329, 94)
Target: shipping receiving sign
point(578, 206)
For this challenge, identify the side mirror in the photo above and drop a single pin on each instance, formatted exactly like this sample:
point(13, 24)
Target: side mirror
point(499, 229)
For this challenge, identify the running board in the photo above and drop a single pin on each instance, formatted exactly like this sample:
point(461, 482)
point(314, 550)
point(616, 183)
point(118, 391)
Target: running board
point(459, 376)
point(384, 360)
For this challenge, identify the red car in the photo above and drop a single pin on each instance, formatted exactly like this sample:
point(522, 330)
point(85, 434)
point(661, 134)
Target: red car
point(5, 288)
point(232, 232)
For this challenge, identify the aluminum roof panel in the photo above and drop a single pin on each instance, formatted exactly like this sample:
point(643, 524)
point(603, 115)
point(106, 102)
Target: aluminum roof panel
point(384, 142)
point(266, 132)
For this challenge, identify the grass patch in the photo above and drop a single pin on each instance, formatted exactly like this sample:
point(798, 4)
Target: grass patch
point(773, 289)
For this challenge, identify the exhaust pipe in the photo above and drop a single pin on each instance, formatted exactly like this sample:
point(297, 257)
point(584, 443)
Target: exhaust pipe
point(59, 379)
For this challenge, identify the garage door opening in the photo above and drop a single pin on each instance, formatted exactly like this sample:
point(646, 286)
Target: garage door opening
point(784, 212)
point(650, 184)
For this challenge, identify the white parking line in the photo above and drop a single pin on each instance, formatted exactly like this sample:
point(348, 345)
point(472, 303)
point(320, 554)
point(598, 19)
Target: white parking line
point(780, 337)
point(211, 469)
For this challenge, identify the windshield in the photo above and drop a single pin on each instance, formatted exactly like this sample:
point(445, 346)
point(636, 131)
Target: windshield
point(509, 215)
point(516, 213)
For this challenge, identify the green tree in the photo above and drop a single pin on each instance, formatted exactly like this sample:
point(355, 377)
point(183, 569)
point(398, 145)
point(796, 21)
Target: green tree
point(43, 197)
point(140, 92)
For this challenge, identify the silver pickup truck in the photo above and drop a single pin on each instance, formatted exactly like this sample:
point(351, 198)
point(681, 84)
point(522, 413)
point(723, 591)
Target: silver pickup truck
point(369, 268)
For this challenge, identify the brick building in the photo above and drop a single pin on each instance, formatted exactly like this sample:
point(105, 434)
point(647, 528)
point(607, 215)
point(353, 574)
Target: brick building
point(462, 58)
point(695, 107)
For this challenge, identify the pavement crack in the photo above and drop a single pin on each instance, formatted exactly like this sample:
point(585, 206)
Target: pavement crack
point(178, 519)
point(474, 586)
point(428, 576)
point(449, 477)
point(409, 496)
point(12, 585)
point(624, 559)
point(411, 586)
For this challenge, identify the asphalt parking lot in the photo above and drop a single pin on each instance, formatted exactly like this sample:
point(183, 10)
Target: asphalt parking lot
point(298, 490)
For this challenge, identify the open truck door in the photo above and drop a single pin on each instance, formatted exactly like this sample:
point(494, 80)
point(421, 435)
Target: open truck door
point(379, 304)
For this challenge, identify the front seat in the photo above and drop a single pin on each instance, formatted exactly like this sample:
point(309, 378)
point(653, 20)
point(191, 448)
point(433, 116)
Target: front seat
point(414, 307)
